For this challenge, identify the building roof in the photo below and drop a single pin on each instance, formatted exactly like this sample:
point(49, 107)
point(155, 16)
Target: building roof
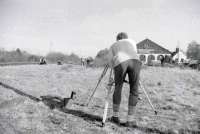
point(149, 47)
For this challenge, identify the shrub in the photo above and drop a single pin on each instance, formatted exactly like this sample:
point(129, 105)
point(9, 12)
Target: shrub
point(101, 57)
point(54, 57)
point(193, 50)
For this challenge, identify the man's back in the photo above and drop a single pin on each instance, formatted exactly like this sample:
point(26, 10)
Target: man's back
point(123, 50)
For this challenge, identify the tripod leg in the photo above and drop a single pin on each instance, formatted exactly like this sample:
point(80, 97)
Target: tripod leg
point(109, 87)
point(101, 77)
point(143, 89)
point(105, 110)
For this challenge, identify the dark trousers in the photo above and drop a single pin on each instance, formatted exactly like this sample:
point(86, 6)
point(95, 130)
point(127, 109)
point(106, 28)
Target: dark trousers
point(132, 68)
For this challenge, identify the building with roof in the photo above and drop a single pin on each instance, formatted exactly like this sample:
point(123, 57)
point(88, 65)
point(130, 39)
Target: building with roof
point(150, 51)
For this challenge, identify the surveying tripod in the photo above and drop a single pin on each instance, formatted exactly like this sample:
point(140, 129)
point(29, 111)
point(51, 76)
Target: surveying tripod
point(109, 88)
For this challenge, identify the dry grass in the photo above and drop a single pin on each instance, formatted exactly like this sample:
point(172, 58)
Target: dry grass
point(174, 92)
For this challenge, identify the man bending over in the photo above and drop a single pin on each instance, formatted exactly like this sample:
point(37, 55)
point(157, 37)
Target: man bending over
point(124, 60)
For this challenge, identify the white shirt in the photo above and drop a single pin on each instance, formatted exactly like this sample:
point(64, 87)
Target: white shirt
point(121, 51)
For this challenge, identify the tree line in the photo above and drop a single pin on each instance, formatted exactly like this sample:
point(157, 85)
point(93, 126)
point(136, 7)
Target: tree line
point(22, 56)
point(193, 53)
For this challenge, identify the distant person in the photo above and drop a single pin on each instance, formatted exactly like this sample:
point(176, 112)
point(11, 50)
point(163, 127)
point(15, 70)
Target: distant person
point(87, 62)
point(82, 62)
point(42, 61)
point(123, 58)
point(162, 60)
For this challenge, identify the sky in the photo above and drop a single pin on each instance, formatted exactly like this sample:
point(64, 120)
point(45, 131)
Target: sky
point(86, 26)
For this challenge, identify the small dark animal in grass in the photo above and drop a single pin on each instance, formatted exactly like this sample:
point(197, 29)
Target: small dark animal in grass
point(56, 101)
point(59, 63)
point(159, 83)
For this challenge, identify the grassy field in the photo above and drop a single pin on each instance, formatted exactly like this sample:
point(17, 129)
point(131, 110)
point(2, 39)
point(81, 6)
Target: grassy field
point(175, 93)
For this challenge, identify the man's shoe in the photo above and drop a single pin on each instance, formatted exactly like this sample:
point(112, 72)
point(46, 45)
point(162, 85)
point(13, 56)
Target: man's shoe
point(115, 120)
point(131, 124)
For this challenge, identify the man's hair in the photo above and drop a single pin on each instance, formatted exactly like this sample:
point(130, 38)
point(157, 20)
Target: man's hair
point(122, 35)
